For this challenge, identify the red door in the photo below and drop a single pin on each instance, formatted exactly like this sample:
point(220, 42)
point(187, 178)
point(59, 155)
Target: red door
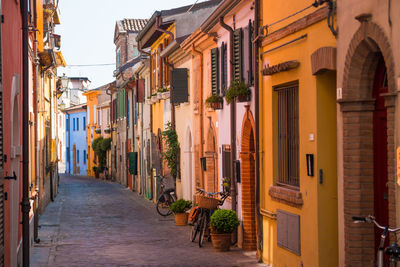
point(380, 152)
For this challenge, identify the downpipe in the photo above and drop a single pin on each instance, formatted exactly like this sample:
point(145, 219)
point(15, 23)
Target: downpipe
point(25, 204)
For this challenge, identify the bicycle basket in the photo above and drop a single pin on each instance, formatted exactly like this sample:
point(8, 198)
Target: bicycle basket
point(207, 202)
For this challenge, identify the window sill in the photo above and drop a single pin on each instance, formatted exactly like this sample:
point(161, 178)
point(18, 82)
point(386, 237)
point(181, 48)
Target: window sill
point(287, 196)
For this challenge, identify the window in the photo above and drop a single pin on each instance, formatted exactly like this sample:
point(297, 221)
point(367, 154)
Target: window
point(77, 124)
point(99, 116)
point(135, 52)
point(77, 156)
point(237, 54)
point(108, 116)
point(84, 156)
point(84, 123)
point(67, 152)
point(94, 114)
point(226, 161)
point(88, 115)
point(214, 71)
point(288, 135)
point(67, 124)
point(73, 126)
point(224, 67)
point(118, 59)
point(127, 116)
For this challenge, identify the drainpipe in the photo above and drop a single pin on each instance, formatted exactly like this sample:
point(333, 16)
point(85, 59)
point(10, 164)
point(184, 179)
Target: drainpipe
point(256, 47)
point(158, 28)
point(140, 49)
point(126, 139)
point(25, 204)
point(133, 129)
point(201, 110)
point(35, 112)
point(233, 117)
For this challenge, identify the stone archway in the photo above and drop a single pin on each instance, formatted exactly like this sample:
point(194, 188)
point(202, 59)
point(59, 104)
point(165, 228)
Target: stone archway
point(248, 176)
point(358, 107)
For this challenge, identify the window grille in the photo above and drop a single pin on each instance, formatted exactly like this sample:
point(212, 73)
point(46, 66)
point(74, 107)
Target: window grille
point(288, 135)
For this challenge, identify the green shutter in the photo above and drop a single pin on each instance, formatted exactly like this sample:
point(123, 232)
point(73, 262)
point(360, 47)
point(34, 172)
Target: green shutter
point(179, 92)
point(133, 159)
point(237, 55)
point(214, 72)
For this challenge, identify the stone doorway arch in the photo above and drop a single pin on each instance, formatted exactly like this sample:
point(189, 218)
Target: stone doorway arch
point(359, 107)
point(248, 177)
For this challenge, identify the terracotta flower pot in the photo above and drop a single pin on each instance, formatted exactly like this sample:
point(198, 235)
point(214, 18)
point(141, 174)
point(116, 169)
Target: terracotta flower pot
point(216, 105)
point(221, 242)
point(181, 219)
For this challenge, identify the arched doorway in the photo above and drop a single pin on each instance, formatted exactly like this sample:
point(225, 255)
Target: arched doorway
point(247, 156)
point(211, 162)
point(368, 141)
point(188, 165)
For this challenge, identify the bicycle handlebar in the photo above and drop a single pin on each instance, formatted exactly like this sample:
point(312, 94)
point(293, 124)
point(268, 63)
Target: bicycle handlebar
point(371, 219)
point(200, 190)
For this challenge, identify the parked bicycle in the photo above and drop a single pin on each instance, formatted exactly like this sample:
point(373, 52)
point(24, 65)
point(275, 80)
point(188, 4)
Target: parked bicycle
point(207, 204)
point(165, 199)
point(392, 251)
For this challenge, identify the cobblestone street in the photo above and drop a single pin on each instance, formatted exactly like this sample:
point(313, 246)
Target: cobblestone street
point(97, 223)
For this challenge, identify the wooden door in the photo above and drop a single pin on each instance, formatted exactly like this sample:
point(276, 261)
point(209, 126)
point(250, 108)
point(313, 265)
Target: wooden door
point(381, 200)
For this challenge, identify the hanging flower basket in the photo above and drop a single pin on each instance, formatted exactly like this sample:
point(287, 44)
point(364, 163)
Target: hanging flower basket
point(165, 95)
point(154, 98)
point(159, 96)
point(238, 90)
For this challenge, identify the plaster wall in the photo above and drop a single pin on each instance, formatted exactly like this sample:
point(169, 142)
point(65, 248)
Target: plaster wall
point(78, 138)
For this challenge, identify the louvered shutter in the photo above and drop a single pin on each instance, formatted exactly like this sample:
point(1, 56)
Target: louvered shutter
point(214, 72)
point(224, 67)
point(140, 91)
point(237, 54)
point(246, 55)
point(250, 44)
point(179, 86)
point(1, 161)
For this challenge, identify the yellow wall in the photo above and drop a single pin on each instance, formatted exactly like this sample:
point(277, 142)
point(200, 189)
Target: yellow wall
point(318, 214)
point(91, 102)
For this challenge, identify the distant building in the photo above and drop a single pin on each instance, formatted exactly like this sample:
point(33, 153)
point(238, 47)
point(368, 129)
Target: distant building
point(75, 137)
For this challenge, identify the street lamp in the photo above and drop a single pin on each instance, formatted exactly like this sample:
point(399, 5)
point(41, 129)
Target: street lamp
point(64, 82)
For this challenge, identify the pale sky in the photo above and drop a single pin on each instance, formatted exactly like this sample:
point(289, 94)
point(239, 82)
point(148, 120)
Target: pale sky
point(87, 32)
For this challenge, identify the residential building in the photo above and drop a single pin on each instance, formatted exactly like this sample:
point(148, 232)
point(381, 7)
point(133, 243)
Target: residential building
point(169, 84)
point(368, 71)
point(127, 59)
point(298, 134)
point(76, 147)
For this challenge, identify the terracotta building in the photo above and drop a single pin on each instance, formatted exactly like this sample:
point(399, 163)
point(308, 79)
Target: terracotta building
point(368, 125)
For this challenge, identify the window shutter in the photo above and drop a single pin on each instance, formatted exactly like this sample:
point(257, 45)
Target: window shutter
point(214, 71)
point(140, 91)
point(133, 163)
point(179, 86)
point(226, 161)
point(245, 58)
point(250, 44)
point(224, 67)
point(237, 54)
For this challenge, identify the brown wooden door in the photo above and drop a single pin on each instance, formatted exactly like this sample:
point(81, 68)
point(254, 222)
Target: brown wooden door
point(380, 152)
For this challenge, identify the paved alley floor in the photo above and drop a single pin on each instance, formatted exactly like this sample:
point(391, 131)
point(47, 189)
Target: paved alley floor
point(98, 223)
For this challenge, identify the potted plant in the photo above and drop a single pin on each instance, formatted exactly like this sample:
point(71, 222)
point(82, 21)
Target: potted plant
point(179, 209)
point(239, 90)
point(154, 97)
point(214, 101)
point(223, 223)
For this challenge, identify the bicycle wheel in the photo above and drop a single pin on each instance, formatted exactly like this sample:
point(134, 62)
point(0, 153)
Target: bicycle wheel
point(203, 227)
point(195, 227)
point(163, 204)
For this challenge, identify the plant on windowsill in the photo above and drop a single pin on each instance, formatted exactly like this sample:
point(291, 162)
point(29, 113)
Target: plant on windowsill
point(164, 93)
point(226, 185)
point(154, 97)
point(214, 102)
point(239, 90)
point(171, 155)
point(179, 209)
point(223, 223)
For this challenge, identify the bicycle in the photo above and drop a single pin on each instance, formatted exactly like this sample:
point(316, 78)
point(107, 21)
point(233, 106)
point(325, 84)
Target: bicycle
point(392, 251)
point(165, 199)
point(202, 221)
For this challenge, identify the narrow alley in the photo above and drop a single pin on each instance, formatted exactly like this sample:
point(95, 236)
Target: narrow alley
point(98, 223)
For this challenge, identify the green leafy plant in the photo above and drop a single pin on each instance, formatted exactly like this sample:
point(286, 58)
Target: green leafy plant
point(213, 99)
point(171, 155)
point(162, 90)
point(180, 206)
point(100, 146)
point(95, 169)
point(224, 221)
point(237, 88)
point(155, 94)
